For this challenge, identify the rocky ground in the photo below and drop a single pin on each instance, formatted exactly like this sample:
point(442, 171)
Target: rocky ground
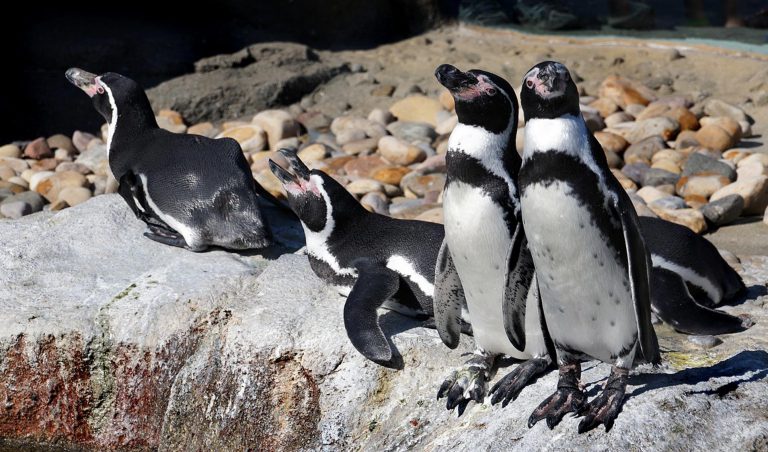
point(126, 346)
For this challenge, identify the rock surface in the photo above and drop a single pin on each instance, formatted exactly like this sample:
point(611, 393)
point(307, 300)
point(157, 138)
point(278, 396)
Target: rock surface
point(112, 341)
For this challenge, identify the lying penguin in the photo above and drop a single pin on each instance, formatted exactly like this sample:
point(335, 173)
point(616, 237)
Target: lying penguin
point(481, 202)
point(379, 261)
point(191, 191)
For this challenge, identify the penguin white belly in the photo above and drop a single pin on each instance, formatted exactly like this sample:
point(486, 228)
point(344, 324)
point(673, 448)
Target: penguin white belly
point(478, 239)
point(584, 286)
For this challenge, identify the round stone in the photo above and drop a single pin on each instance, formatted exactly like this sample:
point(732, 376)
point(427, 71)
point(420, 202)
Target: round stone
point(399, 152)
point(251, 137)
point(74, 195)
point(390, 174)
point(10, 150)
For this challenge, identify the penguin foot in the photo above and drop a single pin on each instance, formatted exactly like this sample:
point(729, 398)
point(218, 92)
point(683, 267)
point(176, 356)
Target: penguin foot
point(468, 383)
point(569, 398)
point(508, 388)
point(605, 408)
point(166, 237)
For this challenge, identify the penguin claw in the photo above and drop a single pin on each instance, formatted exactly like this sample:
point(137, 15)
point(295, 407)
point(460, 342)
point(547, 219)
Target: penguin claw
point(508, 388)
point(556, 406)
point(463, 386)
point(606, 407)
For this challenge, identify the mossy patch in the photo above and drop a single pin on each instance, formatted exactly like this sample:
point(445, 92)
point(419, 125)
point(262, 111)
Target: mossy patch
point(683, 360)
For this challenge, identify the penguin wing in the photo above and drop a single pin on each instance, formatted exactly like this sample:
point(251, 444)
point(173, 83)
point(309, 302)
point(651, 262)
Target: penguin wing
point(638, 261)
point(520, 271)
point(374, 285)
point(448, 299)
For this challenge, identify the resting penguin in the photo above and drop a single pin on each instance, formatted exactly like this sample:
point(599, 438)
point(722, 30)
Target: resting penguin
point(191, 191)
point(379, 261)
point(591, 261)
point(689, 278)
point(484, 258)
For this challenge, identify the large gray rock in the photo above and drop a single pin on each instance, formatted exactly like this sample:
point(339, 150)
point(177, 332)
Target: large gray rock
point(245, 82)
point(109, 340)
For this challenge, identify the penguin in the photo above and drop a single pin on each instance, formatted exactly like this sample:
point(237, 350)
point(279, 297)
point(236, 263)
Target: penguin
point(376, 260)
point(191, 191)
point(591, 260)
point(689, 278)
point(484, 262)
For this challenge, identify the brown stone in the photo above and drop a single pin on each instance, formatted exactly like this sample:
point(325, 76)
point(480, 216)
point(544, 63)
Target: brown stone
point(390, 174)
point(611, 142)
point(684, 117)
point(417, 108)
point(715, 137)
point(38, 149)
point(446, 100)
point(624, 92)
point(754, 191)
point(693, 219)
point(363, 166)
point(604, 106)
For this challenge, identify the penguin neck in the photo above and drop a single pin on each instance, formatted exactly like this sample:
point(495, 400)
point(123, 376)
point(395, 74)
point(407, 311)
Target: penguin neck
point(565, 134)
point(128, 119)
point(495, 151)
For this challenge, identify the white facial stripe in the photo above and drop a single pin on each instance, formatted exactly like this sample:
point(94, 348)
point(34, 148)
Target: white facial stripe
point(402, 266)
point(317, 244)
point(567, 134)
point(690, 276)
point(481, 144)
point(113, 120)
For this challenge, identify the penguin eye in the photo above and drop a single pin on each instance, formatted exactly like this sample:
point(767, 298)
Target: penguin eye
point(529, 83)
point(492, 91)
point(100, 90)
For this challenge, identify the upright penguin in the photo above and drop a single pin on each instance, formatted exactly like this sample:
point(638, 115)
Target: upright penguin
point(191, 191)
point(484, 258)
point(379, 261)
point(591, 260)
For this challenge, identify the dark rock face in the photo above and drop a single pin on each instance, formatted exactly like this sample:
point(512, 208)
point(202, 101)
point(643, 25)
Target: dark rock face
point(245, 82)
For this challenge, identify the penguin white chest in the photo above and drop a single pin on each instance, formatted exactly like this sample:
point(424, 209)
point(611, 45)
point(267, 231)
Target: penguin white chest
point(478, 238)
point(584, 284)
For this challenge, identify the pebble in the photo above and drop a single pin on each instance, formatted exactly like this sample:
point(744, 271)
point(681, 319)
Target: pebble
point(363, 186)
point(60, 141)
point(447, 125)
point(634, 109)
point(19, 181)
point(205, 129)
point(51, 186)
point(315, 120)
point(364, 146)
point(635, 171)
point(643, 150)
point(611, 142)
point(693, 219)
point(48, 164)
point(656, 176)
point(698, 163)
point(34, 200)
point(686, 139)
point(666, 165)
point(625, 182)
point(168, 124)
point(625, 92)
point(383, 90)
point(376, 202)
point(38, 149)
point(251, 137)
point(753, 158)
point(363, 166)
point(433, 164)
point(417, 108)
point(412, 131)
point(684, 117)
point(705, 342)
point(10, 150)
point(617, 118)
point(391, 175)
point(715, 137)
point(314, 152)
point(593, 119)
point(650, 194)
point(434, 215)
point(669, 154)
point(6, 173)
point(604, 106)
point(736, 155)
point(724, 210)
point(38, 177)
point(277, 124)
point(95, 158)
point(74, 195)
point(653, 110)
point(716, 107)
point(668, 202)
point(81, 140)
point(381, 116)
point(613, 159)
point(704, 186)
point(754, 191)
point(664, 126)
point(73, 166)
point(399, 152)
point(419, 185)
point(15, 209)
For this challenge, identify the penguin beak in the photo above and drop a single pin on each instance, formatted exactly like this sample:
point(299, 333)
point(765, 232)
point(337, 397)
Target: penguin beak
point(295, 170)
point(85, 81)
point(549, 80)
point(452, 78)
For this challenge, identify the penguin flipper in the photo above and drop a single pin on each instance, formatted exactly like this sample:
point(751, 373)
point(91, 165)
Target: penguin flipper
point(448, 299)
point(520, 271)
point(639, 263)
point(375, 284)
point(675, 305)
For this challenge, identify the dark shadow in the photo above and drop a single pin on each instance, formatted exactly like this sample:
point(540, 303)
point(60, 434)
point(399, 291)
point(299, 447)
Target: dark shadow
point(749, 144)
point(752, 293)
point(737, 365)
point(287, 233)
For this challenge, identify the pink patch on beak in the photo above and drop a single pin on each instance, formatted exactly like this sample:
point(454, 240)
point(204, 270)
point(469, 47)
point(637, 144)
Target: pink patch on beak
point(94, 89)
point(482, 87)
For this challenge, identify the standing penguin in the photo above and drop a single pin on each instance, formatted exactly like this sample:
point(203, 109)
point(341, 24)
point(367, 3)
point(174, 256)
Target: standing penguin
point(484, 258)
point(591, 260)
point(191, 191)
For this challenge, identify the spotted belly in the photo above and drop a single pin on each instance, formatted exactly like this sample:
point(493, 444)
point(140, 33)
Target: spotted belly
point(583, 281)
point(478, 238)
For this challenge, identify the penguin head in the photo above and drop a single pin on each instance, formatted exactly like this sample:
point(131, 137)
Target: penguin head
point(482, 99)
point(548, 92)
point(112, 93)
point(314, 196)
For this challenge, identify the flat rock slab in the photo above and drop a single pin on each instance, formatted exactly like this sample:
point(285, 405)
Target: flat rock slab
point(111, 341)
